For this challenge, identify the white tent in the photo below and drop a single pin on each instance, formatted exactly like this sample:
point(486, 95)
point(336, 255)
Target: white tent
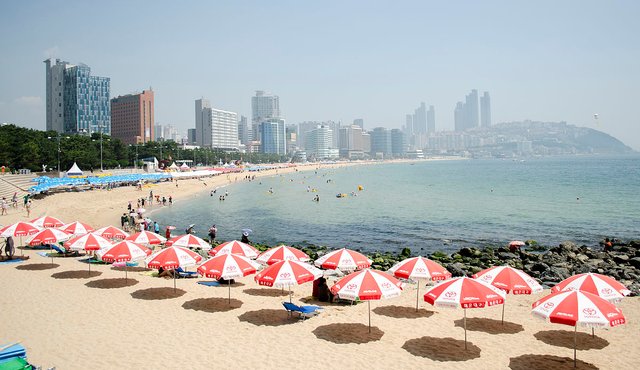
point(184, 167)
point(173, 167)
point(74, 170)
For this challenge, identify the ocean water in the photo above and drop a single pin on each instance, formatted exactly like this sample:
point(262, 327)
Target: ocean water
point(428, 205)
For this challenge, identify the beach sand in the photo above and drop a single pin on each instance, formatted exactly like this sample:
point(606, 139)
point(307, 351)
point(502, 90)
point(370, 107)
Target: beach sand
point(70, 320)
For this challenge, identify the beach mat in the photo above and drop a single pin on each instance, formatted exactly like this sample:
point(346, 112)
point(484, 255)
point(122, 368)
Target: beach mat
point(209, 283)
point(10, 352)
point(15, 260)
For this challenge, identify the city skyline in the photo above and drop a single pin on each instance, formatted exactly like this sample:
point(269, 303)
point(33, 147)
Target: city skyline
point(566, 65)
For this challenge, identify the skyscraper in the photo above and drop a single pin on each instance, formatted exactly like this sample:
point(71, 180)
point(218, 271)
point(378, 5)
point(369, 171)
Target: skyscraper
point(359, 122)
point(466, 114)
point(485, 110)
point(398, 143)
point(420, 119)
point(408, 124)
point(132, 117)
point(318, 142)
point(201, 105)
point(216, 128)
point(274, 136)
point(431, 119)
point(263, 107)
point(244, 131)
point(76, 102)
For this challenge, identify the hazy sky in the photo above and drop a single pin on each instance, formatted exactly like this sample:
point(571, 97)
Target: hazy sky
point(338, 60)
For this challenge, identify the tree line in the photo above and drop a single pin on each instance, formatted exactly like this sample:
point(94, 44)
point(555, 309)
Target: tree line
point(24, 148)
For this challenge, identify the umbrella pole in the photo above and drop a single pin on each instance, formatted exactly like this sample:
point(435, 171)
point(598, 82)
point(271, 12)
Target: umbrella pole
point(465, 328)
point(593, 334)
point(575, 331)
point(289, 293)
point(229, 281)
point(125, 271)
point(369, 304)
point(174, 280)
point(418, 295)
point(51, 252)
point(503, 303)
point(89, 263)
point(21, 249)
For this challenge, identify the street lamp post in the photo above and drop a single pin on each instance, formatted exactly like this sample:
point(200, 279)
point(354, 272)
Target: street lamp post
point(59, 150)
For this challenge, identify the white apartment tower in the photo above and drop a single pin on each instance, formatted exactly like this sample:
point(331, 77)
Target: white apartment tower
point(216, 128)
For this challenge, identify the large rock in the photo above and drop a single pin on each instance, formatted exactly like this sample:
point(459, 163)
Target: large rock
point(635, 262)
point(555, 274)
point(456, 269)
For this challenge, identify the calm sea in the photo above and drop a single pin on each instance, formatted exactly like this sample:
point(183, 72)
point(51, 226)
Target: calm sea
point(428, 205)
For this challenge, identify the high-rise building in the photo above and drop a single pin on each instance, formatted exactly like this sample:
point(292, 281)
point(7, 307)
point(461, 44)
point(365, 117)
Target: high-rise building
point(244, 131)
point(398, 143)
point(420, 119)
point(334, 127)
point(263, 107)
point(273, 139)
point(216, 128)
point(408, 124)
point(318, 142)
point(201, 105)
point(466, 114)
point(431, 119)
point(303, 129)
point(132, 117)
point(485, 110)
point(191, 136)
point(158, 132)
point(76, 101)
point(380, 142)
point(366, 142)
point(359, 122)
point(292, 138)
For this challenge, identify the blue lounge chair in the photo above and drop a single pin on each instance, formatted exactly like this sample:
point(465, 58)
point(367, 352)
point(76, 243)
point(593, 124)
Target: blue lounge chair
point(304, 311)
point(63, 251)
point(186, 274)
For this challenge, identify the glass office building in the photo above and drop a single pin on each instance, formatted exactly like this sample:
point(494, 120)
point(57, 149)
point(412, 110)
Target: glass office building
point(87, 108)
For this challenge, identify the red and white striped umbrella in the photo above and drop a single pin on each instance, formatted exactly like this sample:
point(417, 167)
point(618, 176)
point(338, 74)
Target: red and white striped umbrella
point(123, 251)
point(367, 285)
point(287, 273)
point(112, 232)
point(172, 258)
point(88, 242)
point(188, 241)
point(417, 268)
point(510, 280)
point(420, 268)
point(77, 228)
point(601, 285)
point(282, 253)
point(235, 247)
point(575, 308)
point(343, 259)
point(20, 228)
point(466, 293)
point(146, 237)
point(228, 266)
point(47, 221)
point(48, 236)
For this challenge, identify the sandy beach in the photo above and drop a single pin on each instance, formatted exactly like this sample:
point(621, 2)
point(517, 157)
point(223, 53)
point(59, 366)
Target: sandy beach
point(70, 320)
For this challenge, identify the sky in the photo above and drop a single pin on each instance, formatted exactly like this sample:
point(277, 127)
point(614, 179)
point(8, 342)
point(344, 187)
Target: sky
point(338, 60)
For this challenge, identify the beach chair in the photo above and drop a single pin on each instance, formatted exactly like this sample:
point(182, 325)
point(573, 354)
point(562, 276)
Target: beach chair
point(304, 311)
point(186, 274)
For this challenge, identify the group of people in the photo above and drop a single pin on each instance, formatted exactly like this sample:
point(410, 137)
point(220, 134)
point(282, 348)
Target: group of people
point(4, 204)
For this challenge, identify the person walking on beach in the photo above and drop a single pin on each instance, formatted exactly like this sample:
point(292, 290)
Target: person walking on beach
point(28, 207)
point(167, 233)
point(156, 227)
point(4, 205)
point(14, 200)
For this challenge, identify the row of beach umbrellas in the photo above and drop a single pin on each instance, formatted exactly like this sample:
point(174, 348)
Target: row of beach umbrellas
point(584, 299)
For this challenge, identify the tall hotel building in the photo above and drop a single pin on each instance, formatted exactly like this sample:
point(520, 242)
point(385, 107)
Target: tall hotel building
point(215, 128)
point(132, 117)
point(274, 136)
point(263, 107)
point(485, 110)
point(76, 102)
